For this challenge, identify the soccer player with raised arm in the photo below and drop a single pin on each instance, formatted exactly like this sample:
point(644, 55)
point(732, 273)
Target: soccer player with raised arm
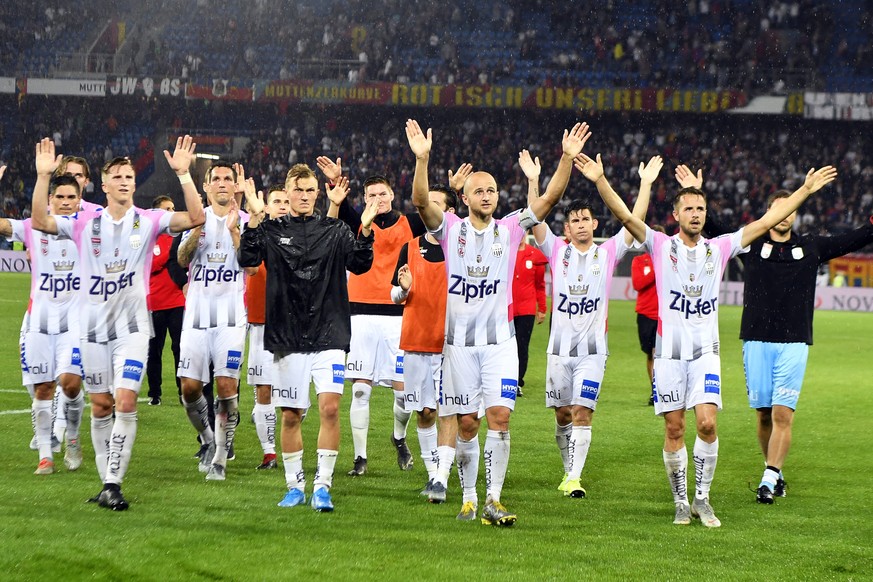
point(214, 326)
point(480, 363)
point(307, 325)
point(776, 327)
point(375, 355)
point(50, 349)
point(420, 283)
point(581, 278)
point(115, 252)
point(687, 372)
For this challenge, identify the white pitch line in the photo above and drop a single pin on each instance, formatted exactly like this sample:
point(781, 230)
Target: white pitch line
point(25, 411)
point(21, 390)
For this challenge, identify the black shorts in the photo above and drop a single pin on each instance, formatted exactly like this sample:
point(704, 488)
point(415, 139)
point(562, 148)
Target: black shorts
point(647, 328)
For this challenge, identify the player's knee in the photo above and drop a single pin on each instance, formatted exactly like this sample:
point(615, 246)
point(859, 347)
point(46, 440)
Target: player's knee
point(468, 426)
point(674, 429)
point(706, 427)
point(329, 410)
point(290, 419)
point(783, 416)
point(427, 417)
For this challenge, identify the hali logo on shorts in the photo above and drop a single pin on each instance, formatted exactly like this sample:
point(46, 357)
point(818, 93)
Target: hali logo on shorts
point(132, 370)
point(339, 373)
point(711, 384)
point(508, 388)
point(234, 359)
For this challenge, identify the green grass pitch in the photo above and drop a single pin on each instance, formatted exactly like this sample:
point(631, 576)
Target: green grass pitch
point(181, 527)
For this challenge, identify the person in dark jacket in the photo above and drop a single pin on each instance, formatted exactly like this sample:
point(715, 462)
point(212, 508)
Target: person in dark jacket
point(776, 326)
point(308, 326)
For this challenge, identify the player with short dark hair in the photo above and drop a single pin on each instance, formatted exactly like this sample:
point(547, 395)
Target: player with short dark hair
point(214, 325)
point(688, 272)
point(776, 326)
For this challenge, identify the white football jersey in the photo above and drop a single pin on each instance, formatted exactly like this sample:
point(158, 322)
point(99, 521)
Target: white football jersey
point(480, 266)
point(688, 281)
point(54, 279)
point(580, 294)
point(216, 282)
point(115, 259)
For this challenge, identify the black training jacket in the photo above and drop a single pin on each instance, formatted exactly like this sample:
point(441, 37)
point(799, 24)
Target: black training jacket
point(779, 292)
point(307, 306)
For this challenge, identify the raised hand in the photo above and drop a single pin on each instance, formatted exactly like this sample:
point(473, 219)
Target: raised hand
point(369, 213)
point(419, 142)
point(574, 140)
point(46, 160)
point(591, 169)
point(254, 198)
point(240, 178)
point(183, 155)
point(404, 277)
point(332, 170)
point(339, 191)
point(687, 179)
point(530, 167)
point(818, 179)
point(232, 215)
point(2, 171)
point(649, 172)
point(456, 180)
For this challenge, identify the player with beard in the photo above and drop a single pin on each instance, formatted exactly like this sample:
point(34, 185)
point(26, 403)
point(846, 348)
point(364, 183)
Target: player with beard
point(214, 325)
point(776, 326)
point(687, 371)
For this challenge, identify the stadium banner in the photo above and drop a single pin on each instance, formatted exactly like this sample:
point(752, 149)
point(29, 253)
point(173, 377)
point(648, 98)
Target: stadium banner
point(7, 85)
point(66, 87)
point(826, 298)
point(499, 96)
point(14, 262)
point(219, 89)
point(838, 106)
point(324, 92)
point(166, 87)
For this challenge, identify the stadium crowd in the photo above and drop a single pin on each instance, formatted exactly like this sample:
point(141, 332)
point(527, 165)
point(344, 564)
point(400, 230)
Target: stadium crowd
point(743, 163)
